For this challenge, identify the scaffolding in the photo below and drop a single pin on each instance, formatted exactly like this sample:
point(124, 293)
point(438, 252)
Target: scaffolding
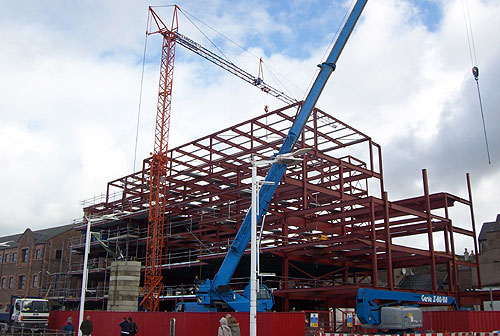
point(329, 228)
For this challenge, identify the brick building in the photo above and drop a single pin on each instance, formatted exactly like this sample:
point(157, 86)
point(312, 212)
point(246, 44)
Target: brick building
point(489, 257)
point(35, 263)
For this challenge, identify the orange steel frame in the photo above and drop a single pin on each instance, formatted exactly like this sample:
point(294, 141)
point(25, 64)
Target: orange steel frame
point(324, 224)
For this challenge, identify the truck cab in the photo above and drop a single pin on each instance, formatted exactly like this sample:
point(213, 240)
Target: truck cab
point(29, 313)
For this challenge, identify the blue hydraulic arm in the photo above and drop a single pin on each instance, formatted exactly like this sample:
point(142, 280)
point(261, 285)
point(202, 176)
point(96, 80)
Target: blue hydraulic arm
point(213, 290)
point(277, 170)
point(369, 312)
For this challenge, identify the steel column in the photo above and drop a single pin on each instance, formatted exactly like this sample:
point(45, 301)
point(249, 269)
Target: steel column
point(388, 243)
point(473, 221)
point(429, 230)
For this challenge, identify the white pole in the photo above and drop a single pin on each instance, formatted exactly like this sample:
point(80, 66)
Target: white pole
point(283, 159)
point(253, 254)
point(84, 276)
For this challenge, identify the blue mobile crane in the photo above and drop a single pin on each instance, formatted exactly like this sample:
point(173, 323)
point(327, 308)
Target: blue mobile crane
point(216, 294)
point(392, 310)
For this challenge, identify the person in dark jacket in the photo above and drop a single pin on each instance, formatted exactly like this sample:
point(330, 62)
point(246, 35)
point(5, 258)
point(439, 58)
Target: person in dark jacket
point(68, 328)
point(125, 327)
point(86, 327)
point(233, 325)
point(133, 327)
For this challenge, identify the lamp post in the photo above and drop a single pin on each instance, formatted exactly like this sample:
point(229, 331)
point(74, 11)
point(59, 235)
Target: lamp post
point(289, 158)
point(85, 264)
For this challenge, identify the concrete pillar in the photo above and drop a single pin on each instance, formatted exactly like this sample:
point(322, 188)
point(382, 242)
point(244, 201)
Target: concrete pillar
point(124, 286)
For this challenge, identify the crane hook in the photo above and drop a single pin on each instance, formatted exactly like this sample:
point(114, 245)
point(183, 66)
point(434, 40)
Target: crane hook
point(475, 72)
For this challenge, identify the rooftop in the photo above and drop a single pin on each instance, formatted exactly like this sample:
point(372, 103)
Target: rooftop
point(40, 236)
point(489, 227)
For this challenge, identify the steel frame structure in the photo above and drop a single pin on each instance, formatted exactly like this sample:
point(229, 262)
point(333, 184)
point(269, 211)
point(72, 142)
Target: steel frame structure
point(332, 212)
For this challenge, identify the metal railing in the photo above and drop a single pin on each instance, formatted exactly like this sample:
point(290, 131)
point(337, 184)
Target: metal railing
point(6, 330)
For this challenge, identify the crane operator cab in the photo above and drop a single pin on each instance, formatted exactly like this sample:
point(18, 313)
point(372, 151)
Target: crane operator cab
point(265, 297)
point(231, 302)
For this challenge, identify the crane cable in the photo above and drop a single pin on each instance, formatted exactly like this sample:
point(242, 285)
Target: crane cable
point(140, 90)
point(330, 45)
point(188, 15)
point(475, 69)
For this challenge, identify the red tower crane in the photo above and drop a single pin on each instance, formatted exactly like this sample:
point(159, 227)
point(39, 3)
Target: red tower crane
point(158, 166)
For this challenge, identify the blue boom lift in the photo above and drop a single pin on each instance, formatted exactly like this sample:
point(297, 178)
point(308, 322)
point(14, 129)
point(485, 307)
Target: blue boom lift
point(391, 310)
point(216, 295)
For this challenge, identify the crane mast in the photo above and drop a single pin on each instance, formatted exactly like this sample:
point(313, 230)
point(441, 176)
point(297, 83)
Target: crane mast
point(159, 166)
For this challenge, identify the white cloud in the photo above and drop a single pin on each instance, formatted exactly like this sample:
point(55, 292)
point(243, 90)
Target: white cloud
point(70, 87)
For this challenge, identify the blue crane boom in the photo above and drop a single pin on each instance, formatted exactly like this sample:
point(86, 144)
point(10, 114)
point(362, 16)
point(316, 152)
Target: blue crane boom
point(277, 170)
point(217, 290)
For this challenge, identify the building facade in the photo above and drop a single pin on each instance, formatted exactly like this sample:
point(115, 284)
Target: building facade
point(489, 257)
point(35, 263)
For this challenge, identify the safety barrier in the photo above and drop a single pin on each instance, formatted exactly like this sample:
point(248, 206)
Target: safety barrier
point(18, 331)
point(469, 333)
point(186, 324)
point(461, 321)
point(273, 324)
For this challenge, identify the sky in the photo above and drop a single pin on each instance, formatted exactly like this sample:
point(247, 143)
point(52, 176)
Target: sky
point(70, 88)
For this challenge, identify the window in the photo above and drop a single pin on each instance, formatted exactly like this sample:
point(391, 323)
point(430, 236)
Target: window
point(33, 306)
point(4, 282)
point(11, 282)
point(7, 258)
point(22, 281)
point(25, 254)
point(14, 257)
point(38, 254)
point(1, 258)
point(58, 254)
point(35, 281)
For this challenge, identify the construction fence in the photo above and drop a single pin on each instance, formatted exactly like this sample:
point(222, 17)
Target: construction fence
point(464, 321)
point(185, 324)
point(470, 333)
point(436, 323)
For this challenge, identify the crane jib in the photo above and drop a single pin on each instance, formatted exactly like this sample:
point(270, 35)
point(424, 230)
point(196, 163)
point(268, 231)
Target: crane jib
point(277, 170)
point(225, 64)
